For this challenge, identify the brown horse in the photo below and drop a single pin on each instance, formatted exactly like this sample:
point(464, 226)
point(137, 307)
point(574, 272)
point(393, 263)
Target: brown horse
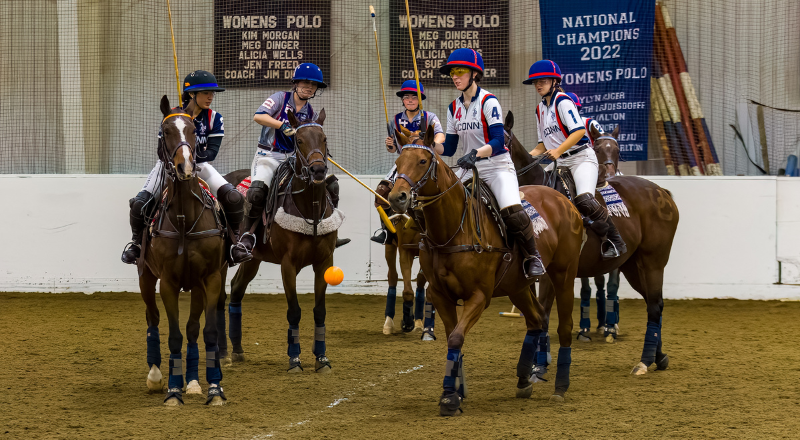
point(461, 265)
point(648, 232)
point(308, 202)
point(185, 250)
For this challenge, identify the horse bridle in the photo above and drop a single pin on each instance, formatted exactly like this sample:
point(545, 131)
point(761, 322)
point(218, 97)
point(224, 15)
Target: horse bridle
point(305, 161)
point(610, 161)
point(164, 154)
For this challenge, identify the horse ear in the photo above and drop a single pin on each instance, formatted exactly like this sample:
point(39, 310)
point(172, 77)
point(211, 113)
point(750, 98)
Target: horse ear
point(615, 133)
point(593, 133)
point(429, 136)
point(402, 136)
point(292, 118)
point(509, 122)
point(406, 132)
point(165, 108)
point(321, 117)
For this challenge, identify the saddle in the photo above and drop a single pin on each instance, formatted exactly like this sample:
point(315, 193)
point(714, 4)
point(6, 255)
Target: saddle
point(484, 196)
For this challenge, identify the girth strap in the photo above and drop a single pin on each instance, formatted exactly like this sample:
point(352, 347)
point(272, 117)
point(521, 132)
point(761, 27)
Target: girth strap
point(189, 236)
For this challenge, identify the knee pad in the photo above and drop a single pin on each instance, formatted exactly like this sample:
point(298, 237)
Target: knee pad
point(383, 189)
point(516, 218)
point(230, 198)
point(332, 184)
point(137, 203)
point(257, 193)
point(590, 207)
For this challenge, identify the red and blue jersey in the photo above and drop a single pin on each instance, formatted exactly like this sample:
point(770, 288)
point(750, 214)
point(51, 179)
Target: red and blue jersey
point(277, 106)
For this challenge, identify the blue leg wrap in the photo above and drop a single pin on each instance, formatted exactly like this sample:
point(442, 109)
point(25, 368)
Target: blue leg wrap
point(235, 324)
point(222, 338)
point(651, 338)
point(391, 298)
point(419, 305)
point(600, 300)
point(613, 288)
point(611, 315)
point(294, 341)
point(175, 371)
point(660, 322)
point(451, 370)
point(543, 350)
point(526, 356)
point(562, 373)
point(586, 322)
point(430, 315)
point(616, 311)
point(213, 370)
point(192, 362)
point(153, 347)
point(319, 341)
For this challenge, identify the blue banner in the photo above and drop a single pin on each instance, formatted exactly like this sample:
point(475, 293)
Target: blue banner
point(604, 50)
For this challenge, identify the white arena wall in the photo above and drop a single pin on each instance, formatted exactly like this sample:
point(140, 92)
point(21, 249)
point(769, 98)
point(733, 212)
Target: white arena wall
point(65, 233)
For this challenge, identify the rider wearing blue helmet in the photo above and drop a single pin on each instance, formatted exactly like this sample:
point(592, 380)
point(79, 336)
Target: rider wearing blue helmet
point(276, 142)
point(475, 124)
point(562, 136)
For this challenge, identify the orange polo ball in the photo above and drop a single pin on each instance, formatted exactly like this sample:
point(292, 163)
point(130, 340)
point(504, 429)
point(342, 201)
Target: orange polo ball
point(334, 275)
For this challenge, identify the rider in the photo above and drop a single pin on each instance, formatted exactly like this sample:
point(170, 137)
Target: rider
point(475, 122)
point(562, 137)
point(199, 89)
point(276, 143)
point(412, 119)
point(587, 122)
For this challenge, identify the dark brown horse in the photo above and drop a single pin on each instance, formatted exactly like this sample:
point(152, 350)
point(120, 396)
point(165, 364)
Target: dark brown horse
point(648, 232)
point(307, 202)
point(185, 250)
point(461, 265)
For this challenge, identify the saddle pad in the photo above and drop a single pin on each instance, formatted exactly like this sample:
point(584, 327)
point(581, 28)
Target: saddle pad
point(244, 185)
point(299, 225)
point(539, 224)
point(614, 203)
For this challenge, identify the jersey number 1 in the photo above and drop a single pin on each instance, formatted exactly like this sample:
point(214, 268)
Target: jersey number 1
point(573, 116)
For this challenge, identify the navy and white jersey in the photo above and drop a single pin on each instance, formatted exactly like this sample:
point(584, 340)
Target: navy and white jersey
point(588, 123)
point(277, 106)
point(471, 122)
point(401, 120)
point(558, 120)
point(208, 124)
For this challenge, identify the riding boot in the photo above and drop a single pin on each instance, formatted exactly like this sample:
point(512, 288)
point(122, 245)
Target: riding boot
point(520, 227)
point(132, 250)
point(256, 199)
point(601, 224)
point(332, 185)
point(233, 204)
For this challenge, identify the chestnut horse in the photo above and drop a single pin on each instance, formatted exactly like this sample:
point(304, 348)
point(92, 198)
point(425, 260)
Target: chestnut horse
point(185, 250)
point(648, 233)
point(462, 265)
point(307, 194)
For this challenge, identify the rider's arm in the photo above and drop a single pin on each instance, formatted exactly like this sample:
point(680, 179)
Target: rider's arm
point(450, 145)
point(491, 114)
point(574, 125)
point(212, 148)
point(265, 115)
point(540, 149)
point(569, 143)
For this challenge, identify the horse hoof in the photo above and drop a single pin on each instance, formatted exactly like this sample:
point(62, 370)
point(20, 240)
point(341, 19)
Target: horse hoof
point(610, 338)
point(583, 335)
point(237, 357)
point(428, 336)
point(524, 393)
point(194, 388)
point(226, 361)
point(297, 369)
point(601, 330)
point(322, 365)
point(154, 380)
point(173, 402)
point(418, 327)
point(663, 363)
point(616, 329)
point(295, 366)
point(450, 404)
point(639, 370)
point(388, 326)
point(216, 401)
point(557, 398)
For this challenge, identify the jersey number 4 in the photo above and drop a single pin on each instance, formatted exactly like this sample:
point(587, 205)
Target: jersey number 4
point(458, 114)
point(494, 113)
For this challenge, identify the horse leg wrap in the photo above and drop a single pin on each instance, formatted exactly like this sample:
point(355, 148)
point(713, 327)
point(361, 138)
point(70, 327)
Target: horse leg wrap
point(542, 352)
point(528, 353)
point(175, 371)
point(586, 322)
point(153, 347)
point(430, 316)
point(601, 308)
point(451, 369)
point(562, 371)
point(235, 326)
point(419, 303)
point(391, 299)
point(319, 341)
point(222, 338)
point(294, 341)
point(651, 338)
point(213, 369)
point(611, 315)
point(461, 381)
point(192, 362)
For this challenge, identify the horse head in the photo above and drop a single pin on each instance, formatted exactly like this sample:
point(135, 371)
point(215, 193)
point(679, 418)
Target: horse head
point(177, 145)
point(311, 147)
point(607, 150)
point(416, 167)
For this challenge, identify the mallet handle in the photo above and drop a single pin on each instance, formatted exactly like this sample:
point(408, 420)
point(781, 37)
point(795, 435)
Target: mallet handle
point(359, 181)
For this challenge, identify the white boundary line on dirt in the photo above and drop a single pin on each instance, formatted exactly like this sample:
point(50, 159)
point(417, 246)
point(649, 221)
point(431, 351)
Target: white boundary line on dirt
point(335, 402)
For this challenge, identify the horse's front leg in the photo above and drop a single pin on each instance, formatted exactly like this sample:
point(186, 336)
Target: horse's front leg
point(322, 364)
point(222, 334)
point(210, 299)
point(147, 285)
point(192, 333)
point(289, 275)
point(406, 262)
point(169, 296)
point(244, 275)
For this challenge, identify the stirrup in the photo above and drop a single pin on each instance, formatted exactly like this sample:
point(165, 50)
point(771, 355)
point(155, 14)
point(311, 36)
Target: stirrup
point(247, 234)
point(613, 246)
point(240, 245)
point(377, 238)
point(529, 260)
point(128, 247)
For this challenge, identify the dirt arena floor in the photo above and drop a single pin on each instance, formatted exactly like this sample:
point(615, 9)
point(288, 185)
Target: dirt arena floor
point(75, 368)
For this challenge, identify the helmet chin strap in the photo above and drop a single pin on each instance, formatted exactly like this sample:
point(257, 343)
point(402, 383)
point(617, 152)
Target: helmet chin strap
point(471, 81)
point(552, 88)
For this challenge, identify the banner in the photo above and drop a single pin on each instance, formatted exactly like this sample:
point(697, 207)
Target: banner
point(479, 25)
point(259, 43)
point(604, 51)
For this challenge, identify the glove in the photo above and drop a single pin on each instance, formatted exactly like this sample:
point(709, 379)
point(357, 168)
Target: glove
point(287, 129)
point(468, 160)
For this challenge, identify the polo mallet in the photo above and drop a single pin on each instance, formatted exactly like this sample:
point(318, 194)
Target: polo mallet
point(174, 55)
point(414, 58)
point(512, 313)
point(381, 212)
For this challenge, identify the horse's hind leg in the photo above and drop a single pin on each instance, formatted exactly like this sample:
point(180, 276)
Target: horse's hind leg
point(419, 302)
point(244, 275)
point(169, 296)
point(649, 283)
point(147, 285)
point(222, 334)
point(289, 275)
point(390, 252)
point(322, 364)
point(406, 263)
point(209, 299)
point(563, 282)
point(192, 333)
point(530, 308)
point(547, 295)
point(612, 304)
point(450, 400)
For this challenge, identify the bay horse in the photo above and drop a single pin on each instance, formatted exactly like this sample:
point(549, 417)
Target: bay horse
point(459, 264)
point(648, 232)
point(307, 198)
point(185, 250)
